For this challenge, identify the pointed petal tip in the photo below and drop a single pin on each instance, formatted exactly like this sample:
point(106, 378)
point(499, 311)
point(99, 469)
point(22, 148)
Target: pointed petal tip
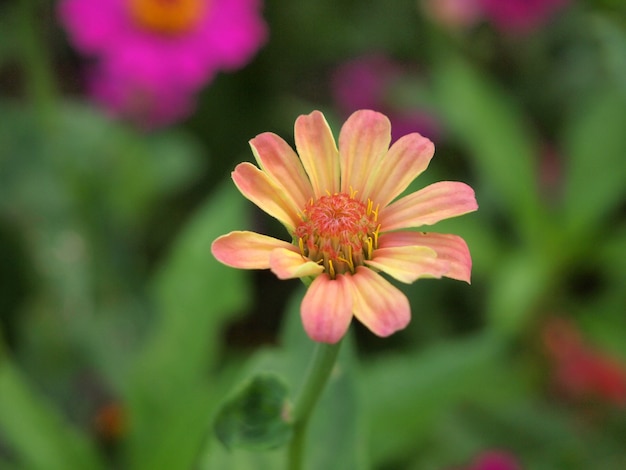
point(246, 250)
point(450, 248)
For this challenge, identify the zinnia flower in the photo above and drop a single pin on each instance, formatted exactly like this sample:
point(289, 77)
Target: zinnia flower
point(346, 226)
point(152, 56)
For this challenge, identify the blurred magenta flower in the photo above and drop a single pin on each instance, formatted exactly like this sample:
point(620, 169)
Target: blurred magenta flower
point(580, 371)
point(520, 16)
point(513, 17)
point(152, 56)
point(367, 82)
point(340, 209)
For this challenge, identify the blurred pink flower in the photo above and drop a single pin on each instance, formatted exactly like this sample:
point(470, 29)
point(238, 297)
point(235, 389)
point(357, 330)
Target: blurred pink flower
point(492, 460)
point(581, 371)
point(367, 82)
point(520, 16)
point(339, 207)
point(495, 460)
point(513, 17)
point(152, 56)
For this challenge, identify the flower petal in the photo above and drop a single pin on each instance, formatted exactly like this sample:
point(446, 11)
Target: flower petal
point(406, 160)
point(316, 146)
point(451, 248)
point(259, 188)
point(287, 263)
point(409, 263)
point(381, 307)
point(326, 309)
point(247, 250)
point(363, 141)
point(282, 164)
point(427, 206)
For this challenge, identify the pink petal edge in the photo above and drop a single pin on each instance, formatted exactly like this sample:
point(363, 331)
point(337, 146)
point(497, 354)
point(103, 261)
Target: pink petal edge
point(282, 164)
point(326, 309)
point(380, 306)
point(363, 142)
point(449, 247)
point(407, 158)
point(429, 205)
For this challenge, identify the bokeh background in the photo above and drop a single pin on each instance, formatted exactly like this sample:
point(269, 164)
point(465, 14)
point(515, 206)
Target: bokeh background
point(120, 335)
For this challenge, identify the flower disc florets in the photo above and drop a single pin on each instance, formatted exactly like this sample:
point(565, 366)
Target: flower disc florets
point(339, 232)
point(167, 16)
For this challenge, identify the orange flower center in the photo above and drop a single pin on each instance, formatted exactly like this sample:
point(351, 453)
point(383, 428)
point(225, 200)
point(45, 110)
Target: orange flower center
point(167, 16)
point(339, 232)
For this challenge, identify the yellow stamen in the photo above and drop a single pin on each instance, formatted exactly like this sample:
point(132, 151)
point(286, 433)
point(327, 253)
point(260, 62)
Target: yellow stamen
point(376, 232)
point(301, 244)
point(349, 261)
point(375, 212)
point(331, 269)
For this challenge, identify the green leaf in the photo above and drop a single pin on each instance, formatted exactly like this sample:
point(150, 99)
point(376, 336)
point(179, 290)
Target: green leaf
point(405, 396)
point(490, 126)
point(519, 283)
point(256, 417)
point(595, 146)
point(128, 170)
point(89, 164)
point(217, 457)
point(169, 390)
point(35, 432)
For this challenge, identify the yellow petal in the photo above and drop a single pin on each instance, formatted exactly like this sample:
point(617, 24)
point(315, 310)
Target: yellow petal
point(247, 250)
point(287, 263)
point(316, 146)
point(408, 263)
point(407, 158)
point(259, 188)
point(282, 164)
point(363, 142)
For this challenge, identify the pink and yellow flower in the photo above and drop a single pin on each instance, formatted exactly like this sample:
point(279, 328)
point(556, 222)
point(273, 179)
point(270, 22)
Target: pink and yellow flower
point(341, 208)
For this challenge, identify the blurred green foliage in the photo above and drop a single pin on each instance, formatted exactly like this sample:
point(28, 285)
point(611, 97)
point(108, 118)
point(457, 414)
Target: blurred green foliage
point(120, 335)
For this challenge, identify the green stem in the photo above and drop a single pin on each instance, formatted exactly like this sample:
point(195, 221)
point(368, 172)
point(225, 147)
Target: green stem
point(319, 370)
